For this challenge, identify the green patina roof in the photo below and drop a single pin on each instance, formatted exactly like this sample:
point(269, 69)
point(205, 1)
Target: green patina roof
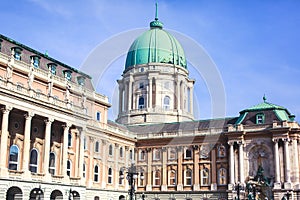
point(155, 45)
point(264, 106)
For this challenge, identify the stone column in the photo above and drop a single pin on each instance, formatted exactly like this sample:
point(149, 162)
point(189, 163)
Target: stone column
point(150, 94)
point(191, 100)
point(149, 170)
point(47, 145)
point(296, 160)
point(120, 99)
point(4, 140)
point(164, 176)
point(231, 163)
point(76, 164)
point(104, 163)
point(214, 184)
point(196, 168)
point(276, 162)
point(241, 162)
point(179, 169)
point(81, 155)
point(116, 156)
point(91, 163)
point(287, 169)
point(65, 150)
point(26, 147)
point(178, 94)
point(129, 95)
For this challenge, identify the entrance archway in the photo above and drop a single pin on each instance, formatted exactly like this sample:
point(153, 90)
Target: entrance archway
point(14, 193)
point(36, 194)
point(56, 195)
point(74, 195)
point(121, 197)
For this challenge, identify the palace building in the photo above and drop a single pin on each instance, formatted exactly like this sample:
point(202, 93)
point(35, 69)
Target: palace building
point(57, 142)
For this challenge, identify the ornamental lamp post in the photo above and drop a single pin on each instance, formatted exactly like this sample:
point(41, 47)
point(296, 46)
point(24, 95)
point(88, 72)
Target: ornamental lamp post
point(132, 174)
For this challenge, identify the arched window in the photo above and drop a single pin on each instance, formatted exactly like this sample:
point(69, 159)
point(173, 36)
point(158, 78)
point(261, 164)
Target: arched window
point(121, 152)
point(96, 173)
point(110, 150)
point(96, 146)
point(156, 178)
point(166, 105)
point(172, 177)
point(130, 154)
point(83, 170)
point(110, 175)
point(33, 163)
point(221, 151)
point(222, 176)
point(69, 164)
point(188, 153)
point(141, 102)
point(52, 163)
point(205, 177)
point(69, 139)
point(13, 157)
point(142, 155)
point(188, 177)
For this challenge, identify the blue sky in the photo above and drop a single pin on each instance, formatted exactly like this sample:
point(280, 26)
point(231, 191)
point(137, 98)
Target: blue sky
point(254, 44)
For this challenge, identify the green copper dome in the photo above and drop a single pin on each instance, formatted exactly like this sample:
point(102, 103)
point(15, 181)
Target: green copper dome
point(155, 45)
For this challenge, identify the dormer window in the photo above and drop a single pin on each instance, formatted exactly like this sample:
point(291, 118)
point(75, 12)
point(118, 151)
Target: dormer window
point(260, 118)
point(17, 52)
point(81, 80)
point(35, 61)
point(68, 74)
point(52, 68)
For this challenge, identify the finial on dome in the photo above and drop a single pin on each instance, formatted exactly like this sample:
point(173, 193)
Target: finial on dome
point(264, 98)
point(156, 15)
point(156, 23)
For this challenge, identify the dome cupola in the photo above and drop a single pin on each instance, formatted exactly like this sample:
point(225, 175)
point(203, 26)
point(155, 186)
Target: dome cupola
point(155, 46)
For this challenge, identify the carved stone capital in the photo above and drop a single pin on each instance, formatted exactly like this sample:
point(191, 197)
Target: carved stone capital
point(29, 115)
point(6, 109)
point(49, 121)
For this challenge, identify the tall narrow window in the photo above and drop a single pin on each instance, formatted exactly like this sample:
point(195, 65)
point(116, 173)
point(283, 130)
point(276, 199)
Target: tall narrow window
point(13, 157)
point(142, 155)
point(121, 178)
point(141, 102)
point(221, 151)
point(130, 155)
point(110, 175)
point(188, 153)
point(166, 103)
point(205, 176)
point(96, 146)
point(156, 154)
point(83, 170)
point(33, 163)
point(157, 178)
point(35, 61)
point(110, 150)
point(52, 163)
point(69, 168)
point(84, 144)
point(222, 176)
point(69, 139)
point(98, 116)
point(121, 152)
point(189, 99)
point(172, 154)
point(188, 177)
point(96, 174)
point(172, 177)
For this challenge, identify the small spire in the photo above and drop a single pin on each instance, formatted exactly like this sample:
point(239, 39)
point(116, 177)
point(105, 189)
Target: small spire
point(156, 15)
point(264, 98)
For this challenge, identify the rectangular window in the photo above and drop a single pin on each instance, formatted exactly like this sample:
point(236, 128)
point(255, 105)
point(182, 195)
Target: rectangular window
point(68, 74)
point(81, 80)
point(35, 61)
point(141, 85)
point(98, 116)
point(52, 68)
point(260, 118)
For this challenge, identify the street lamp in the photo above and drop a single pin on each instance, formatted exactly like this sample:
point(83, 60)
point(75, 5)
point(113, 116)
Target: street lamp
point(132, 174)
point(238, 188)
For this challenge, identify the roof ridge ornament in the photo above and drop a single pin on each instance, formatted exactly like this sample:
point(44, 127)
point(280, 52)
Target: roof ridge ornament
point(156, 23)
point(264, 98)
